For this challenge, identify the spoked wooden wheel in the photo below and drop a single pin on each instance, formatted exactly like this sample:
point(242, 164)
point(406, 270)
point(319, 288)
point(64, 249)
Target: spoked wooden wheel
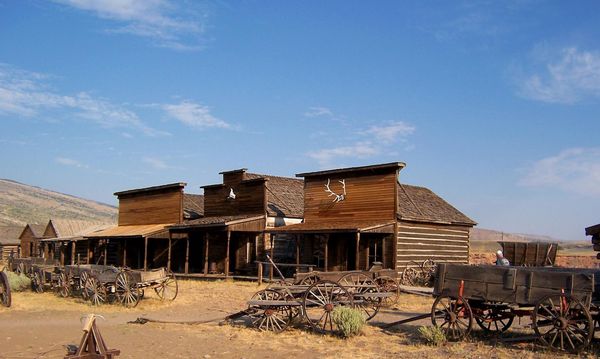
point(37, 281)
point(562, 322)
point(63, 284)
point(360, 286)
point(309, 279)
point(388, 285)
point(454, 317)
point(127, 291)
point(410, 276)
point(5, 296)
point(83, 276)
point(273, 318)
point(168, 289)
point(95, 291)
point(319, 301)
point(493, 318)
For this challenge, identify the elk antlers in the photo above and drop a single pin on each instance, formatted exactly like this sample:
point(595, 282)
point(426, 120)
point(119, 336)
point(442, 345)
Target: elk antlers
point(337, 197)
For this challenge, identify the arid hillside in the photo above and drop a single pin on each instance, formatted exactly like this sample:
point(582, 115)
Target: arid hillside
point(20, 204)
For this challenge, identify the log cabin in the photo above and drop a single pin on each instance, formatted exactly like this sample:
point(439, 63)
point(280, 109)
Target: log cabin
point(64, 240)
point(360, 216)
point(231, 236)
point(30, 240)
point(9, 241)
point(141, 238)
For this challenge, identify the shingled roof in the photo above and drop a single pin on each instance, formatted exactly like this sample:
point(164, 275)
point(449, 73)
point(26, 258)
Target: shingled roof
point(37, 229)
point(422, 205)
point(10, 234)
point(193, 206)
point(285, 196)
point(69, 228)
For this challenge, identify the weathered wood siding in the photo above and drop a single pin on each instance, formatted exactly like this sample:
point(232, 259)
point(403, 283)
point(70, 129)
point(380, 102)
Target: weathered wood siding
point(7, 249)
point(49, 231)
point(368, 197)
point(443, 243)
point(250, 198)
point(29, 243)
point(151, 208)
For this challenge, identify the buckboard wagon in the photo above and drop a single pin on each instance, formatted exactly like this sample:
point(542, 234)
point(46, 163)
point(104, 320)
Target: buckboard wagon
point(563, 303)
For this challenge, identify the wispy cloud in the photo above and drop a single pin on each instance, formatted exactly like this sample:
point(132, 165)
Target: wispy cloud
point(318, 111)
point(370, 142)
point(569, 77)
point(166, 23)
point(27, 94)
point(70, 162)
point(155, 163)
point(194, 115)
point(391, 132)
point(575, 170)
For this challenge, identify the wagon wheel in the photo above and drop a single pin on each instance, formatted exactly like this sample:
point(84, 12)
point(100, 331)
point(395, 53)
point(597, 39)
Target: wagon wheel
point(319, 300)
point(63, 284)
point(562, 322)
point(388, 285)
point(127, 291)
point(410, 276)
point(310, 279)
point(37, 281)
point(270, 318)
point(5, 296)
point(83, 276)
point(95, 291)
point(454, 317)
point(428, 271)
point(360, 286)
point(168, 288)
point(494, 318)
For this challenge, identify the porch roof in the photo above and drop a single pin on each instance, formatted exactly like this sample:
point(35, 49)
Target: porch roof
point(144, 230)
point(337, 226)
point(217, 221)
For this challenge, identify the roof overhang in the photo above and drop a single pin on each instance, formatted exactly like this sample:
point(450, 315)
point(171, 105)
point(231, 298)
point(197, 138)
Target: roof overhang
point(383, 166)
point(336, 227)
point(143, 230)
point(223, 223)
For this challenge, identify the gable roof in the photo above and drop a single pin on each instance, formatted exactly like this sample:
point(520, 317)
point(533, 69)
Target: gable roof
point(285, 196)
point(36, 229)
point(423, 205)
point(135, 191)
point(69, 228)
point(193, 206)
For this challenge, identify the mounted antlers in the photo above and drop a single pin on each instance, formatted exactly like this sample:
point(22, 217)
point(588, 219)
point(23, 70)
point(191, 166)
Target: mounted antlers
point(337, 197)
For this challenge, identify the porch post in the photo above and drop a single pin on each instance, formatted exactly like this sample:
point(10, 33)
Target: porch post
point(187, 253)
point(383, 256)
point(357, 256)
point(106, 251)
point(206, 242)
point(73, 250)
point(145, 253)
point(272, 238)
point(62, 253)
point(124, 252)
point(227, 254)
point(367, 255)
point(297, 250)
point(169, 251)
point(326, 254)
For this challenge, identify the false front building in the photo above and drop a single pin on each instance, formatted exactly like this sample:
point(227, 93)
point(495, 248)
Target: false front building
point(355, 217)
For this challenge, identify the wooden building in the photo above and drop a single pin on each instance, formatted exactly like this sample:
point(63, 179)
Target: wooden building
point(231, 235)
point(354, 217)
point(9, 241)
point(594, 231)
point(141, 238)
point(64, 240)
point(30, 240)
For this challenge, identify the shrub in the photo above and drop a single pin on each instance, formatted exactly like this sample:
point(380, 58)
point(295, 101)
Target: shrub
point(18, 282)
point(432, 335)
point(349, 321)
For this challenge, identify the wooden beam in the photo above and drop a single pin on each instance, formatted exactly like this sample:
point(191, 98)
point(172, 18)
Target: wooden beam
point(187, 253)
point(326, 254)
point(227, 254)
point(383, 254)
point(357, 256)
point(63, 248)
point(105, 251)
point(125, 253)
point(206, 242)
point(297, 250)
point(145, 253)
point(73, 250)
point(272, 241)
point(367, 255)
point(169, 251)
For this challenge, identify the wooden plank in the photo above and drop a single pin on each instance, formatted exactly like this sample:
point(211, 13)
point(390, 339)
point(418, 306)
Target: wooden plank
point(151, 208)
point(357, 252)
point(170, 250)
point(187, 254)
point(227, 254)
point(206, 244)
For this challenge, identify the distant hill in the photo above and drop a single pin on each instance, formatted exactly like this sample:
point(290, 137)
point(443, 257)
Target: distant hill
point(485, 240)
point(21, 204)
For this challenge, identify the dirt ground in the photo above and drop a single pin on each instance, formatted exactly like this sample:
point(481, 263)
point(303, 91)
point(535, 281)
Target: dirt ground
point(39, 325)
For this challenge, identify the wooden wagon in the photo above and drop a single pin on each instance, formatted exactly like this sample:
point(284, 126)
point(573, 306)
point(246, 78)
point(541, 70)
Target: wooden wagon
point(43, 277)
point(24, 265)
point(530, 254)
point(5, 296)
point(562, 302)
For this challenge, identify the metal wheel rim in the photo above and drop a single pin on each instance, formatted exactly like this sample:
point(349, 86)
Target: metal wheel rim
point(315, 305)
point(493, 322)
point(168, 289)
point(388, 285)
point(409, 276)
point(270, 318)
point(5, 295)
point(455, 318)
point(579, 325)
point(128, 293)
point(95, 291)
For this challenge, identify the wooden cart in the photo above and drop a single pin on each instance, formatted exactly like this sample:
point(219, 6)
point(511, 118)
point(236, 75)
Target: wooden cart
point(562, 302)
point(130, 285)
point(43, 277)
point(530, 254)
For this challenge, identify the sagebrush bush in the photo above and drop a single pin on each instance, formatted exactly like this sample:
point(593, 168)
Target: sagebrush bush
point(349, 321)
point(18, 282)
point(432, 335)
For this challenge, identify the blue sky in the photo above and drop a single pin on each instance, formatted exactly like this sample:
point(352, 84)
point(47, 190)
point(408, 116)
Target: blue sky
point(493, 105)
